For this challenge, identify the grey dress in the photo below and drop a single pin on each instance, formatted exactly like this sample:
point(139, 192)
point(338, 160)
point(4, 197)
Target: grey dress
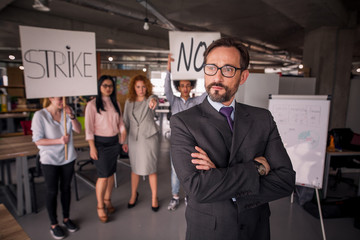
point(142, 137)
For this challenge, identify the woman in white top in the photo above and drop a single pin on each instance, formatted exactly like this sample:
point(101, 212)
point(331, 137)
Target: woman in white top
point(47, 127)
point(103, 125)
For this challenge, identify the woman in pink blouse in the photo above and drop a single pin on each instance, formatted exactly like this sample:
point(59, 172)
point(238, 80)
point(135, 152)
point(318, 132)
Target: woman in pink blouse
point(103, 126)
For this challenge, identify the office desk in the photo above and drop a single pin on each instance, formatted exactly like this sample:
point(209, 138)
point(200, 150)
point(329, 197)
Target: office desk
point(9, 118)
point(10, 228)
point(329, 155)
point(20, 148)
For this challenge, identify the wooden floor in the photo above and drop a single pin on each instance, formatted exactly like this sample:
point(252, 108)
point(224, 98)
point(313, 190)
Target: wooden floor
point(10, 229)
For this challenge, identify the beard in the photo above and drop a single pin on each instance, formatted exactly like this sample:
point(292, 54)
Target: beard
point(225, 97)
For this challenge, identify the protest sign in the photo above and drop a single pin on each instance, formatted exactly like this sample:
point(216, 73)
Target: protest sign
point(58, 63)
point(187, 49)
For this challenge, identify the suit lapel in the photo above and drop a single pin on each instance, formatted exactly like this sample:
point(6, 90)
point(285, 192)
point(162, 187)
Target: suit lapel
point(217, 121)
point(242, 124)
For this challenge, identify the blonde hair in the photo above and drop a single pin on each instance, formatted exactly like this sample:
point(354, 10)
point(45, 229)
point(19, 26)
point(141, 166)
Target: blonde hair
point(46, 102)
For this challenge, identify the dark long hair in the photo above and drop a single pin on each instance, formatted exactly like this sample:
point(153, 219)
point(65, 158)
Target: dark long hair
point(99, 101)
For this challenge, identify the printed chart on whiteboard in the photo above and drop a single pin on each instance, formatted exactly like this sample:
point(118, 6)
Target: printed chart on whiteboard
point(303, 127)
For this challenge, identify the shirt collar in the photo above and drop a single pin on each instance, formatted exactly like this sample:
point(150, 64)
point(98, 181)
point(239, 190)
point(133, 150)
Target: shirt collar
point(218, 105)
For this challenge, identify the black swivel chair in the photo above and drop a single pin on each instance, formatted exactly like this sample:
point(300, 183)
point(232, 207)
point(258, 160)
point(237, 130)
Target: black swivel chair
point(83, 163)
point(36, 172)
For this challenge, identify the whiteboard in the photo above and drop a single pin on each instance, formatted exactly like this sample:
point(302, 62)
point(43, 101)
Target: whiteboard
point(302, 121)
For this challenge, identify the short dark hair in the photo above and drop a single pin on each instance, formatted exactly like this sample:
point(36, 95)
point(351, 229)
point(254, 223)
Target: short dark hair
point(177, 83)
point(230, 42)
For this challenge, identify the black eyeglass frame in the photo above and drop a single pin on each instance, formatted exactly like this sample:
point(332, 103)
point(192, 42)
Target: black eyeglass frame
point(107, 86)
point(205, 64)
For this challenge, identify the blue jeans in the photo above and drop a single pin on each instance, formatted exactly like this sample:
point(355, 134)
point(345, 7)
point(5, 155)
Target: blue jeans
point(175, 183)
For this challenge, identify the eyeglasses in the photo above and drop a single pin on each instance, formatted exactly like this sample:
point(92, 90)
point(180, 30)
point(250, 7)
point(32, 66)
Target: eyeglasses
point(107, 86)
point(227, 70)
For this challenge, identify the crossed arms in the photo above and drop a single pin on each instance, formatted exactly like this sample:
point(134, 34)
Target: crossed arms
point(207, 175)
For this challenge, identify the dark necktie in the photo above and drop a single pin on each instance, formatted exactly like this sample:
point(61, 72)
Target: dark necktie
point(226, 111)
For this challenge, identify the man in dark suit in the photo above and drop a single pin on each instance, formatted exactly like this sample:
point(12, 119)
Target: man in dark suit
point(231, 162)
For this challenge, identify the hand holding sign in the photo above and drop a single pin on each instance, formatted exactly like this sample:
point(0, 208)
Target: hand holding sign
point(170, 59)
point(64, 139)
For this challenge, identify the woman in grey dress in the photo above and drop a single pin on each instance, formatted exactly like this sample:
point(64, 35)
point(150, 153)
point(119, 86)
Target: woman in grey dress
point(142, 141)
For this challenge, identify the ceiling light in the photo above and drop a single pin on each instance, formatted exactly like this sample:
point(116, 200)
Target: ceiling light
point(144, 69)
point(11, 57)
point(41, 5)
point(146, 24)
point(301, 66)
point(21, 67)
point(166, 23)
point(358, 70)
point(146, 20)
point(110, 59)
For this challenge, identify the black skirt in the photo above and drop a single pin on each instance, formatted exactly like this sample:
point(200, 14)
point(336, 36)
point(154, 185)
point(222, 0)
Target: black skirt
point(108, 151)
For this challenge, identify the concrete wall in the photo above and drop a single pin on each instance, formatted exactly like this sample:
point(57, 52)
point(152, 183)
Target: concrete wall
point(353, 113)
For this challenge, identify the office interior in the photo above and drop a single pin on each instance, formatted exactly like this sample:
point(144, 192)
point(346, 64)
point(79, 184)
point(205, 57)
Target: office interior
point(296, 47)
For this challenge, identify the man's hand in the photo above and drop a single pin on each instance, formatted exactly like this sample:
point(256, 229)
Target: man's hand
point(152, 103)
point(264, 162)
point(201, 160)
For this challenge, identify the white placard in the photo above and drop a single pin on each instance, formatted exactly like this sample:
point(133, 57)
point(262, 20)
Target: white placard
point(188, 49)
point(58, 63)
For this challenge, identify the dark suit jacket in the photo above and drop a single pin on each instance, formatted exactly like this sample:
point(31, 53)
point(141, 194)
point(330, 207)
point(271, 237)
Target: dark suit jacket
point(211, 213)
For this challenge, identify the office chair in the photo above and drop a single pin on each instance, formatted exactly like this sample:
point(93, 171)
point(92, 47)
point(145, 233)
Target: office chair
point(83, 163)
point(36, 172)
point(122, 155)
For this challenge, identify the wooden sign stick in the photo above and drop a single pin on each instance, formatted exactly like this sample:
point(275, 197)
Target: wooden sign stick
point(65, 129)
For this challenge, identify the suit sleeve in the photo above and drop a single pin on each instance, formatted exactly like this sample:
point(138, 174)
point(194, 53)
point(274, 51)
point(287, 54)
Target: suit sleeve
point(280, 181)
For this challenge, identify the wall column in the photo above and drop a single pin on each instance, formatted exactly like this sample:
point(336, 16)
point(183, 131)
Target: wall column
point(328, 53)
